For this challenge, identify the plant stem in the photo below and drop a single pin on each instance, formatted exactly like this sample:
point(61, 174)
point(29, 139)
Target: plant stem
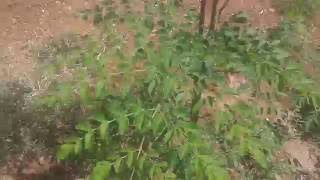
point(140, 148)
point(131, 177)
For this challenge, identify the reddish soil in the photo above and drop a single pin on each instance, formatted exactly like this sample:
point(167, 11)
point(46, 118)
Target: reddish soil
point(261, 12)
point(316, 30)
point(23, 24)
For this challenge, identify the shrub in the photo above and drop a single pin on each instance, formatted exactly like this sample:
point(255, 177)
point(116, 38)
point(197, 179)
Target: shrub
point(143, 111)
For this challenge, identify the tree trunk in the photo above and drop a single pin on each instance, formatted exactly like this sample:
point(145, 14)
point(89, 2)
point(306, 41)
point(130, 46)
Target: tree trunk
point(213, 15)
point(202, 15)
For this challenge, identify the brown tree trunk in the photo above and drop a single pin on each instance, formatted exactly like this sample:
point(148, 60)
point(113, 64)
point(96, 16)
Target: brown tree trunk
point(202, 15)
point(213, 15)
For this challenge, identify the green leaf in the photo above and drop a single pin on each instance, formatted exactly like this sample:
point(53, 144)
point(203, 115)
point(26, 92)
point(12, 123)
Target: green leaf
point(123, 125)
point(65, 92)
point(168, 136)
point(117, 165)
point(100, 117)
point(139, 121)
point(65, 151)
point(168, 86)
point(151, 87)
point(141, 162)
point(130, 159)
point(84, 126)
point(281, 54)
point(196, 107)
point(152, 171)
point(259, 156)
point(156, 124)
point(180, 97)
point(173, 159)
point(100, 89)
point(71, 140)
point(170, 176)
point(88, 141)
point(101, 171)
point(78, 147)
point(184, 151)
point(217, 173)
point(103, 130)
point(84, 92)
point(148, 22)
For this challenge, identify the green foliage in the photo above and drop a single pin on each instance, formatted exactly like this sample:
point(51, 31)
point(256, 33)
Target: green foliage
point(101, 171)
point(148, 123)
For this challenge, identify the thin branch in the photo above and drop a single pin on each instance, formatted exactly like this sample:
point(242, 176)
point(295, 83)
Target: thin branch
point(224, 5)
point(156, 139)
point(140, 148)
point(121, 73)
point(156, 111)
point(131, 177)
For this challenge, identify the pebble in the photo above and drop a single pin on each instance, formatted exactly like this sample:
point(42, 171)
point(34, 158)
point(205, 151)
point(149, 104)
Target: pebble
point(272, 10)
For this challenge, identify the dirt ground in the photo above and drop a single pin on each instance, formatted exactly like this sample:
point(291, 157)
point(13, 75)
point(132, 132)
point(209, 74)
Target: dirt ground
point(26, 24)
point(261, 13)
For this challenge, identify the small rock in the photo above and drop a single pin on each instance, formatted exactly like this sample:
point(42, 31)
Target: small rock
point(272, 10)
point(261, 12)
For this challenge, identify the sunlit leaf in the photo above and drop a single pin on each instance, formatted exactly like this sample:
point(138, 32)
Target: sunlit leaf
point(65, 151)
point(103, 130)
point(130, 159)
point(100, 89)
point(151, 87)
point(117, 165)
point(88, 141)
point(84, 126)
point(78, 147)
point(142, 162)
point(101, 171)
point(123, 125)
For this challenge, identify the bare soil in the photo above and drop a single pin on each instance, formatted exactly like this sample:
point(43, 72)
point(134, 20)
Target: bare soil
point(262, 14)
point(24, 24)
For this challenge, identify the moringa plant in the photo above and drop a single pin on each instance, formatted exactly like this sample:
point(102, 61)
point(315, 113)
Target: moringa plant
point(158, 111)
